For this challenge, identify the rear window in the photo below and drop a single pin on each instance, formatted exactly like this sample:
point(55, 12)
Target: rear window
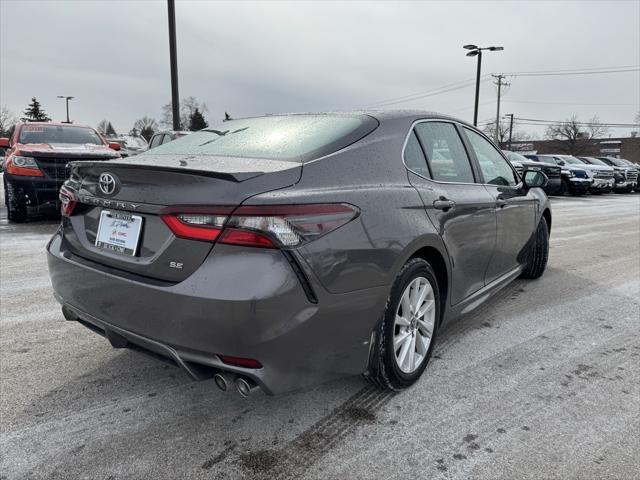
point(58, 134)
point(279, 137)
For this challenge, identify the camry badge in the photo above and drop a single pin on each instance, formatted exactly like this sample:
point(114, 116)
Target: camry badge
point(107, 183)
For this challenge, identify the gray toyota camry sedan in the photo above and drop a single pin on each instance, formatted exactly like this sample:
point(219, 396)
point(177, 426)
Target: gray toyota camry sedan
point(281, 251)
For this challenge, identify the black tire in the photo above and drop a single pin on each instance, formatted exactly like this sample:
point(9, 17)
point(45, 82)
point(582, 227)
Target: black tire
point(539, 252)
point(15, 202)
point(383, 369)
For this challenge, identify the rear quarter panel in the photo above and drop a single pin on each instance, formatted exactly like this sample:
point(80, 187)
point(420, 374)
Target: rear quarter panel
point(392, 224)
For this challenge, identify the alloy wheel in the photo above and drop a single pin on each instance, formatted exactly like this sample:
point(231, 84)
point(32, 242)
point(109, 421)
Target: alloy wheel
point(414, 324)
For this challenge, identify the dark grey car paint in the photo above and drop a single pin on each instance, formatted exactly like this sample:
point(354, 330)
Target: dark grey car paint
point(248, 302)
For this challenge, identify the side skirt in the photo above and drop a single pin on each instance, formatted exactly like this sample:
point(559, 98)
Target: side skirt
point(482, 295)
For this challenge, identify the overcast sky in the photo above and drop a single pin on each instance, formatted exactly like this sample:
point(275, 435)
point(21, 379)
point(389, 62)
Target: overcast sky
point(258, 57)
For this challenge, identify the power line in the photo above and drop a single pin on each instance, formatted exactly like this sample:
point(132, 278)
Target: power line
point(572, 103)
point(429, 93)
point(595, 72)
point(583, 69)
point(467, 83)
point(534, 121)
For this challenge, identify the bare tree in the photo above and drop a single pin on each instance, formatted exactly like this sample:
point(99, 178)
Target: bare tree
point(574, 137)
point(7, 121)
point(517, 135)
point(187, 107)
point(146, 126)
point(503, 132)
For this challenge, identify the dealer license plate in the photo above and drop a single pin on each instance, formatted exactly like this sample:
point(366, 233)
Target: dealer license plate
point(119, 232)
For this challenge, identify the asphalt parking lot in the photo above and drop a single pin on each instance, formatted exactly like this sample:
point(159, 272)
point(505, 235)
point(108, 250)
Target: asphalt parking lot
point(541, 382)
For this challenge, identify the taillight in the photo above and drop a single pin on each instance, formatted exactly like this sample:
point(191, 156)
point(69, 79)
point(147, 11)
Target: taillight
point(286, 225)
point(195, 226)
point(265, 226)
point(23, 166)
point(68, 201)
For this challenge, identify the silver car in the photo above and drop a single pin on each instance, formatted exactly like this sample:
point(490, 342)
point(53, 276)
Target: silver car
point(281, 251)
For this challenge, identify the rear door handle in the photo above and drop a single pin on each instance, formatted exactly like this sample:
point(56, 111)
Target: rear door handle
point(443, 204)
point(501, 202)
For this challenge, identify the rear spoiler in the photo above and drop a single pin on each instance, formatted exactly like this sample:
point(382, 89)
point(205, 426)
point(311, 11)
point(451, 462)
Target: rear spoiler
point(229, 176)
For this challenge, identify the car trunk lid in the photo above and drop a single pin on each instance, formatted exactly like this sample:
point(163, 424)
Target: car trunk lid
point(148, 186)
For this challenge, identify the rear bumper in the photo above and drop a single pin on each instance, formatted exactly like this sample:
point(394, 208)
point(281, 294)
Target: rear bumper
point(242, 302)
point(37, 191)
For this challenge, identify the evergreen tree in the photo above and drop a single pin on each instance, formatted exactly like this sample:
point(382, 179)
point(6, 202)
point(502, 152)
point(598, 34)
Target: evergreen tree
point(35, 113)
point(111, 132)
point(197, 121)
point(147, 126)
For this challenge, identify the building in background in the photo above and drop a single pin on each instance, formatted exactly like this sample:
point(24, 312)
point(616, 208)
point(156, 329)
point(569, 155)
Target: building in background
point(621, 147)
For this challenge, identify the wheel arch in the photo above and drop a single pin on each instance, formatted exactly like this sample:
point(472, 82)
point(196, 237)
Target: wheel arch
point(436, 259)
point(547, 216)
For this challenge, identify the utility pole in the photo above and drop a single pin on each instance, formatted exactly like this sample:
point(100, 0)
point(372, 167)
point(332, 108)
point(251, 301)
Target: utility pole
point(510, 115)
point(499, 82)
point(67, 100)
point(173, 58)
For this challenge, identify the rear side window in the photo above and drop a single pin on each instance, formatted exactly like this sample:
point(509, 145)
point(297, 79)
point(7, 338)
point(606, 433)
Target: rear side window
point(166, 139)
point(156, 140)
point(448, 160)
point(495, 169)
point(414, 157)
point(294, 138)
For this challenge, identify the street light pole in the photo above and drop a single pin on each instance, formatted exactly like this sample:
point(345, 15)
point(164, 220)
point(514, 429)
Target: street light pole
point(475, 108)
point(173, 58)
point(474, 50)
point(67, 101)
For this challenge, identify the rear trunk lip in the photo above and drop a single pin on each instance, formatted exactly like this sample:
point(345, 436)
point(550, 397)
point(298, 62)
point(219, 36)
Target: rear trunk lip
point(233, 177)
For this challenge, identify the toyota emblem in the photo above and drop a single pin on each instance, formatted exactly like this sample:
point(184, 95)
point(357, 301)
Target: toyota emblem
point(107, 183)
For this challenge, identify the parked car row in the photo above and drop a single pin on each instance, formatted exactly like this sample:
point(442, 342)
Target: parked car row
point(579, 175)
point(37, 155)
point(130, 144)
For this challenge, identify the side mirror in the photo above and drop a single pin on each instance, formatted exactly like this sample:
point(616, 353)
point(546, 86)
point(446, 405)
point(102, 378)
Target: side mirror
point(561, 163)
point(114, 146)
point(4, 143)
point(534, 179)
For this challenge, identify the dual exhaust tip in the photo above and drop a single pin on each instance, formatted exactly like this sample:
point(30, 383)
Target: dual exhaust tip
point(244, 386)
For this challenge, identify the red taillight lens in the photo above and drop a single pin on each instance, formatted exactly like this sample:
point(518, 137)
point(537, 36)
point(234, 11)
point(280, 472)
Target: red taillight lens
point(195, 226)
point(68, 201)
point(265, 226)
point(246, 238)
point(290, 225)
point(240, 362)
